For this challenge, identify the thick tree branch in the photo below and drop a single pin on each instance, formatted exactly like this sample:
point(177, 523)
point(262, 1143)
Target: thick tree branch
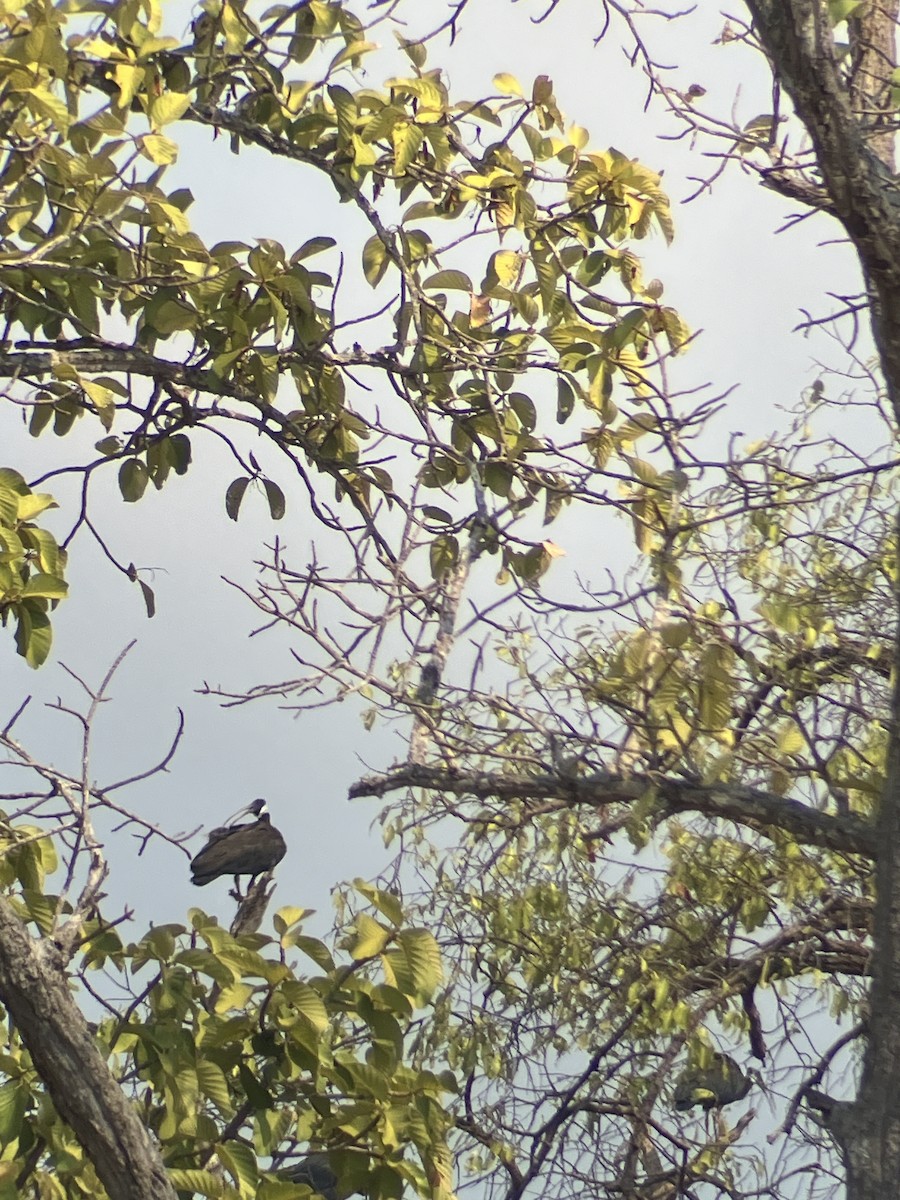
point(35, 992)
point(851, 130)
point(799, 38)
point(761, 811)
point(873, 35)
point(103, 356)
point(130, 360)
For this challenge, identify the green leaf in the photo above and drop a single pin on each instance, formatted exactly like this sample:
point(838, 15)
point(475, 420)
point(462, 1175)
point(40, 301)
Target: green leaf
point(236, 28)
point(9, 506)
point(149, 597)
point(375, 260)
point(239, 1160)
point(41, 416)
point(504, 270)
point(542, 90)
point(213, 1084)
point(346, 112)
point(12, 548)
point(133, 479)
point(523, 407)
point(407, 140)
point(47, 587)
point(565, 400)
point(204, 1183)
point(790, 739)
point(34, 636)
point(158, 148)
point(371, 937)
point(167, 108)
point(102, 400)
point(170, 316)
point(508, 85)
point(354, 51)
point(275, 496)
point(307, 1001)
point(14, 481)
point(449, 280)
point(443, 555)
point(843, 10)
point(315, 245)
point(234, 495)
point(13, 1103)
point(129, 79)
point(367, 1079)
point(416, 51)
point(289, 917)
point(43, 543)
point(415, 964)
point(34, 504)
point(676, 331)
point(315, 950)
point(42, 102)
point(388, 905)
point(41, 909)
point(716, 686)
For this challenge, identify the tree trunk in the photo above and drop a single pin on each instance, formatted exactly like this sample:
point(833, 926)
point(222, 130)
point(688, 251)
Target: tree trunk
point(35, 992)
point(855, 153)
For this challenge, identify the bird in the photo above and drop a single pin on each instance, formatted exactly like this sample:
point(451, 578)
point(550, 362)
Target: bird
point(239, 848)
point(720, 1082)
point(315, 1171)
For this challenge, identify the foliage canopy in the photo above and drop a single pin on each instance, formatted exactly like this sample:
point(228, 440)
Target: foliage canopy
point(640, 819)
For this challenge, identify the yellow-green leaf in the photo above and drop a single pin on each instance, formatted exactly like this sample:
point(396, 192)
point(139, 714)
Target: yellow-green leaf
point(46, 587)
point(375, 260)
point(371, 937)
point(508, 85)
point(34, 504)
point(158, 149)
point(133, 479)
point(167, 108)
point(103, 400)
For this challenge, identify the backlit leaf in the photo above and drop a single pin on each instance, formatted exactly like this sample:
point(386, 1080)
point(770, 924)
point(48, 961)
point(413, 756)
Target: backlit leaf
point(234, 495)
point(508, 84)
point(444, 554)
point(275, 497)
point(133, 479)
point(375, 260)
point(371, 937)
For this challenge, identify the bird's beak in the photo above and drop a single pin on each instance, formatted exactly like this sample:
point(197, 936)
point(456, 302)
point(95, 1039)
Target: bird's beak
point(246, 811)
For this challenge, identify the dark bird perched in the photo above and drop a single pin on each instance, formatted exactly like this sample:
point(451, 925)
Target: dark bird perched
point(315, 1171)
point(247, 848)
point(720, 1082)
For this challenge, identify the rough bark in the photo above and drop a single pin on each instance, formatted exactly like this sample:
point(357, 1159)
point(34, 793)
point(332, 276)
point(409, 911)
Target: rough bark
point(855, 156)
point(869, 1129)
point(34, 990)
point(752, 807)
point(873, 56)
point(864, 193)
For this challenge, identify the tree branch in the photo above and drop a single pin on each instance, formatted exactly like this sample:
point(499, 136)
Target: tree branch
point(35, 992)
point(761, 811)
point(798, 37)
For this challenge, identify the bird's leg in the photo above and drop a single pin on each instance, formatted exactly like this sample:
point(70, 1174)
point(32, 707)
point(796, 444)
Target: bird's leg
point(236, 894)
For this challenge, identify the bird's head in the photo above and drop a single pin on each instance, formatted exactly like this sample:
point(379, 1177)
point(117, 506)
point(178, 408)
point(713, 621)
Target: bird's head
point(257, 808)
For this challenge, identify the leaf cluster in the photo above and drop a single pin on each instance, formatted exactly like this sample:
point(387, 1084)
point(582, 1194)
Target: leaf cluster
point(32, 567)
point(239, 1059)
